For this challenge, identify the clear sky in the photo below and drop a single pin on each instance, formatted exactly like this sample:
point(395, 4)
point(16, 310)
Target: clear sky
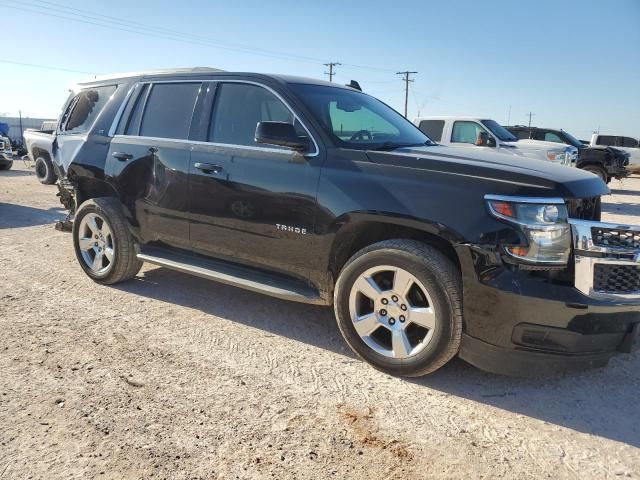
point(575, 64)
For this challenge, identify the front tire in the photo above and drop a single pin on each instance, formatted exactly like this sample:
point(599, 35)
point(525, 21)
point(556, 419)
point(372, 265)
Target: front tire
point(398, 305)
point(103, 243)
point(44, 171)
point(6, 166)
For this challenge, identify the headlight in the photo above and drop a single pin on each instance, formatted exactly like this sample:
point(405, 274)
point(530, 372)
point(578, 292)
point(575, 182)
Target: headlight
point(543, 223)
point(557, 156)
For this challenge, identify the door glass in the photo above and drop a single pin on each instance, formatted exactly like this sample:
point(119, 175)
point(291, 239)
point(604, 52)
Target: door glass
point(629, 142)
point(552, 137)
point(466, 132)
point(607, 140)
point(432, 129)
point(169, 110)
point(86, 107)
point(239, 107)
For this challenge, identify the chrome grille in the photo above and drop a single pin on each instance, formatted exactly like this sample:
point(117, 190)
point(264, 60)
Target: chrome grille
point(623, 279)
point(610, 237)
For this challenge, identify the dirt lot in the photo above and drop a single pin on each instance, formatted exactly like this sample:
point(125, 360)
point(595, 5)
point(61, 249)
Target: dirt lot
point(170, 376)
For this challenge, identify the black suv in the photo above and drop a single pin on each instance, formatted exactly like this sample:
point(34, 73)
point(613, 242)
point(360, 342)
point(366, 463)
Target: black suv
point(606, 162)
point(314, 192)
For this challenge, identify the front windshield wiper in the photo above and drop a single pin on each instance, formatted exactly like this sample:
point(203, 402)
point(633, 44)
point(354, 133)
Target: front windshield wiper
point(388, 146)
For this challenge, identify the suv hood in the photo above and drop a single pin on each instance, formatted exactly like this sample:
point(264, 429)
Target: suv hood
point(503, 174)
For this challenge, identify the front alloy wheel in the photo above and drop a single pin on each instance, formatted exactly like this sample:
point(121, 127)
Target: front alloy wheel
point(392, 312)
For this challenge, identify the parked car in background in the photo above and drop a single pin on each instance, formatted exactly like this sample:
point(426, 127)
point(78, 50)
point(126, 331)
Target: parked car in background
point(314, 192)
point(39, 145)
point(606, 162)
point(627, 144)
point(486, 134)
point(6, 154)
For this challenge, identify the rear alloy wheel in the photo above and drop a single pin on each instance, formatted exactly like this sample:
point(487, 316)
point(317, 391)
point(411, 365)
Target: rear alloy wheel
point(44, 171)
point(103, 243)
point(398, 305)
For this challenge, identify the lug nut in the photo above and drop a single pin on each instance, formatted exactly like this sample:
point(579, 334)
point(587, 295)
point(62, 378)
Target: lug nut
point(96, 237)
point(392, 321)
point(394, 298)
point(383, 312)
point(401, 318)
point(95, 244)
point(403, 307)
point(385, 301)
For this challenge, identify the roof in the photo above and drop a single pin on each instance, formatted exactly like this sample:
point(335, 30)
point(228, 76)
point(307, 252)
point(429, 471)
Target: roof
point(198, 71)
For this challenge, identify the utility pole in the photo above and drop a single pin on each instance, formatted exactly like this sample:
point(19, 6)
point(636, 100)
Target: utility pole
point(530, 114)
point(21, 132)
point(331, 72)
point(406, 78)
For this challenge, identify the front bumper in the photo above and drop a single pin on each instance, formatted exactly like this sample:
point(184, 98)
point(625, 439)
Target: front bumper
point(520, 322)
point(6, 157)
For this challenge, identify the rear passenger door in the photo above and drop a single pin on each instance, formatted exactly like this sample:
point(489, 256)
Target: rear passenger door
point(149, 159)
point(251, 203)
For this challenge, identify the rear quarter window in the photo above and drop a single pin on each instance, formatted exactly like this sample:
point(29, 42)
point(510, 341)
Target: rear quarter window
point(86, 107)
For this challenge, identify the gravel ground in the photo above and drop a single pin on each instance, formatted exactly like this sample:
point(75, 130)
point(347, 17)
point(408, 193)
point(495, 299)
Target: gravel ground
point(171, 376)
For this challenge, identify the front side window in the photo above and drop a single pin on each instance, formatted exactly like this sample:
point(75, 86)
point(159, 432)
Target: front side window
point(356, 120)
point(168, 110)
point(432, 129)
point(84, 109)
point(466, 132)
point(239, 107)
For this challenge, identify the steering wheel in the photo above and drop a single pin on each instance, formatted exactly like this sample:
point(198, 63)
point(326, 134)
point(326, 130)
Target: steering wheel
point(360, 134)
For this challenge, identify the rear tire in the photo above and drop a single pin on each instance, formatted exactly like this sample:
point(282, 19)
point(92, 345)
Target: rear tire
point(44, 171)
point(420, 295)
point(6, 166)
point(103, 243)
point(599, 171)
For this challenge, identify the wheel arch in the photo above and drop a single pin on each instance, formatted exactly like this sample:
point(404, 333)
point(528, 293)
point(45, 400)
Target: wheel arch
point(355, 231)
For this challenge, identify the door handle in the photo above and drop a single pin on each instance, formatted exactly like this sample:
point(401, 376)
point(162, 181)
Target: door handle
point(208, 168)
point(122, 156)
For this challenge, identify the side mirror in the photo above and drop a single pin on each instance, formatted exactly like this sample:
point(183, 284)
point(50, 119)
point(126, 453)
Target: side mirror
point(282, 134)
point(485, 140)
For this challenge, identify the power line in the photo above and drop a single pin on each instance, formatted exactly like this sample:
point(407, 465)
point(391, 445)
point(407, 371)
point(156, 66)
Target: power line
point(45, 67)
point(56, 10)
point(407, 79)
point(330, 72)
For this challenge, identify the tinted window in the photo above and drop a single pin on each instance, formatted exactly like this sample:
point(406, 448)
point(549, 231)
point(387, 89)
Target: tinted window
point(133, 125)
point(86, 107)
point(432, 129)
point(168, 111)
point(608, 140)
point(629, 142)
point(521, 134)
point(499, 131)
point(238, 110)
point(466, 132)
point(356, 120)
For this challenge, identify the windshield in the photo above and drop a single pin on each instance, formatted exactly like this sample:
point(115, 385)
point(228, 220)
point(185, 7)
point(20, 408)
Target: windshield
point(573, 140)
point(356, 120)
point(499, 131)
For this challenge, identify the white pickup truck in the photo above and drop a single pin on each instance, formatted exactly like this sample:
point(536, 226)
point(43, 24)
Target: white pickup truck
point(39, 145)
point(627, 144)
point(480, 133)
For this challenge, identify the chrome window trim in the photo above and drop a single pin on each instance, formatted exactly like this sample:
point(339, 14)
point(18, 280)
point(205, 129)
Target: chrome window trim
point(516, 199)
point(120, 112)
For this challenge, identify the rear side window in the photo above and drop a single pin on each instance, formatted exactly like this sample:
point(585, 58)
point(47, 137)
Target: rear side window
point(238, 109)
point(85, 108)
point(168, 110)
point(548, 136)
point(629, 142)
point(521, 134)
point(432, 129)
point(608, 140)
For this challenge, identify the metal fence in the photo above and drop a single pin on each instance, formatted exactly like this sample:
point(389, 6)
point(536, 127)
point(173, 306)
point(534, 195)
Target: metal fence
point(15, 131)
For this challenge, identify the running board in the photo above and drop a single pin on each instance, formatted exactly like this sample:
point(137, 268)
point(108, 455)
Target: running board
point(230, 274)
